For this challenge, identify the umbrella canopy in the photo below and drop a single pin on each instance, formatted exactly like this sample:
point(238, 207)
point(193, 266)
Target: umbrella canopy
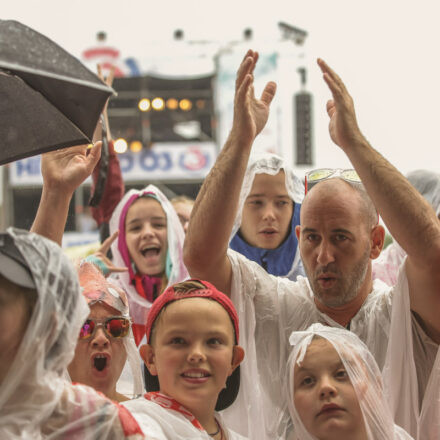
point(48, 99)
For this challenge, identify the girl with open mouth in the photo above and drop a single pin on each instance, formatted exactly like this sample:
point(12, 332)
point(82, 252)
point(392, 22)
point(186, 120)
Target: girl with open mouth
point(105, 344)
point(149, 244)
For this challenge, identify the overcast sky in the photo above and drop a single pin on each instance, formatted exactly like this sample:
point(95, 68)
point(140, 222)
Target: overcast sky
point(386, 51)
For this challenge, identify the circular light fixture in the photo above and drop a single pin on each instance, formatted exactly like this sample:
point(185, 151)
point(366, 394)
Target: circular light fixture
point(120, 145)
point(172, 104)
point(200, 104)
point(135, 146)
point(158, 104)
point(185, 105)
point(144, 105)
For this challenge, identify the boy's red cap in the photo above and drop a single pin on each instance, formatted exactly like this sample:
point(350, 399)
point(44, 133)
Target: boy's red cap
point(170, 295)
point(229, 393)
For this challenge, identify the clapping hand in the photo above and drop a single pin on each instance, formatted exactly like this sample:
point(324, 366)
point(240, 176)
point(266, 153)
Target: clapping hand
point(250, 114)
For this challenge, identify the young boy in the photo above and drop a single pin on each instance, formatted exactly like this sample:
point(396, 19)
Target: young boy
point(192, 357)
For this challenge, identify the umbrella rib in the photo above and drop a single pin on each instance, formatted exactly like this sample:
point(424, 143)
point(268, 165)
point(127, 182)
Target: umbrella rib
point(20, 68)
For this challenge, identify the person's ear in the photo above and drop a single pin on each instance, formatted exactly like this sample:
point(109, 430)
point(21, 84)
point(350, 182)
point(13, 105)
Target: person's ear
point(237, 358)
point(377, 237)
point(297, 231)
point(148, 356)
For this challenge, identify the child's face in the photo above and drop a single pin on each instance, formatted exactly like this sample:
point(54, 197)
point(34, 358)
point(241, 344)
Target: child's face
point(324, 397)
point(193, 351)
point(146, 236)
point(267, 212)
point(87, 367)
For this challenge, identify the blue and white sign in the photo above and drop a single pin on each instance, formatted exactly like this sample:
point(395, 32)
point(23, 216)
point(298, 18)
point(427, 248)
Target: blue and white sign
point(26, 172)
point(169, 161)
point(163, 162)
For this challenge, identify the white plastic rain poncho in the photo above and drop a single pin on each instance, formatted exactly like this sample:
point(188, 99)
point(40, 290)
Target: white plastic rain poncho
point(385, 268)
point(36, 400)
point(97, 289)
point(411, 386)
point(429, 419)
point(271, 308)
point(285, 260)
point(163, 418)
point(364, 375)
point(175, 269)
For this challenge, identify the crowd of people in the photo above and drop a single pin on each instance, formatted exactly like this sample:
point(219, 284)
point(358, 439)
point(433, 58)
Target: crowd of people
point(265, 310)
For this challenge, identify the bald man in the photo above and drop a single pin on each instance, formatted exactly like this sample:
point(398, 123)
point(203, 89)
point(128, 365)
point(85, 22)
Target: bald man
point(338, 238)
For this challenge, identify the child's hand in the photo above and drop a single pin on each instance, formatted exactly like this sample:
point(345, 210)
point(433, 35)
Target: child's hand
point(100, 259)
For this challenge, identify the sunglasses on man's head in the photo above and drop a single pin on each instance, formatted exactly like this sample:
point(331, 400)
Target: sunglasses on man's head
point(115, 327)
point(315, 176)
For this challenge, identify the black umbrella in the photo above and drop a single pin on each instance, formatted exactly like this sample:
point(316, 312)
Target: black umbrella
point(48, 99)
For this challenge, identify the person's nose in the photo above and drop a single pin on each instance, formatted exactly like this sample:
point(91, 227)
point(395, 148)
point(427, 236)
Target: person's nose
point(100, 339)
point(147, 230)
point(196, 354)
point(325, 253)
point(327, 388)
point(269, 212)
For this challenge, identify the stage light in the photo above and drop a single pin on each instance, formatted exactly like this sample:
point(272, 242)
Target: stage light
point(185, 105)
point(120, 145)
point(158, 104)
point(135, 146)
point(172, 104)
point(200, 104)
point(144, 105)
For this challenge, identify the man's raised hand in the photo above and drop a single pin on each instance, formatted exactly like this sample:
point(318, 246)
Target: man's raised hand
point(343, 126)
point(250, 114)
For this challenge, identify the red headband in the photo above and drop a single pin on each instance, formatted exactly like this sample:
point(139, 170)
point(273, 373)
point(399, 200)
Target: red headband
point(170, 295)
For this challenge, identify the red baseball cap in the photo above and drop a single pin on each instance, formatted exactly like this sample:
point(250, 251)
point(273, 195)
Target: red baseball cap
point(170, 295)
point(230, 392)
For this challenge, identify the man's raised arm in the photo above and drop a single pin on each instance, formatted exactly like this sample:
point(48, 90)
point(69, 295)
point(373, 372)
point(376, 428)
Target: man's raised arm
point(213, 215)
point(409, 218)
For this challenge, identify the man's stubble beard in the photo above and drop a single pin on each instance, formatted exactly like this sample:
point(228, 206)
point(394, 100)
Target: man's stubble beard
point(347, 286)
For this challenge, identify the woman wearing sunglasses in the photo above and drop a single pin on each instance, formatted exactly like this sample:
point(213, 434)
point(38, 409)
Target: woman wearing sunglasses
point(105, 343)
